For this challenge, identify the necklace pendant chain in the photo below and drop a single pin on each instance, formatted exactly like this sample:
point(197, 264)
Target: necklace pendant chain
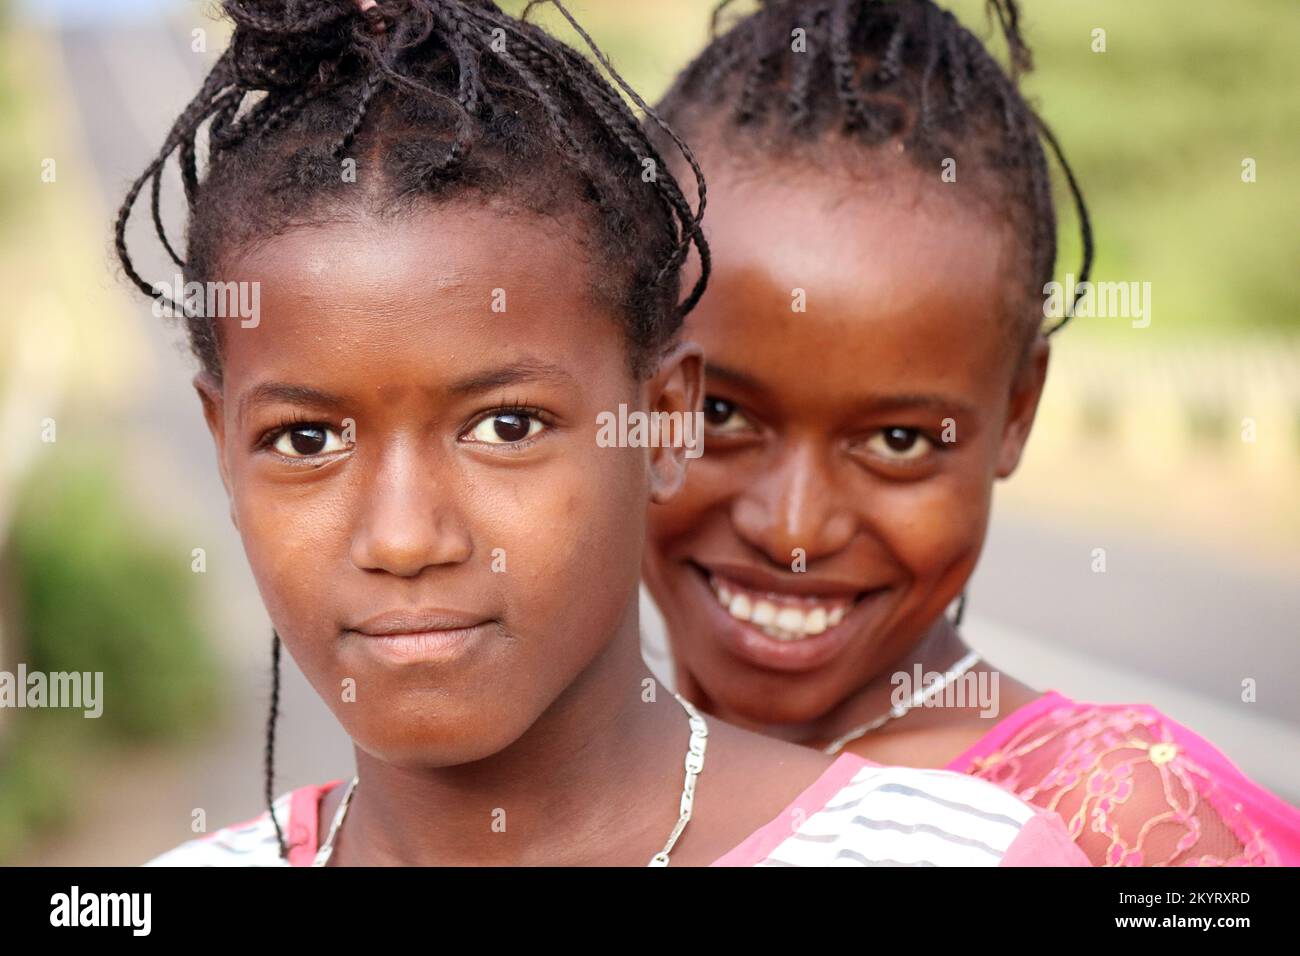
point(694, 767)
point(919, 697)
point(694, 764)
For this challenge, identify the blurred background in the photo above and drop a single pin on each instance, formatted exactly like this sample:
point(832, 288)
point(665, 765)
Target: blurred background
point(1174, 447)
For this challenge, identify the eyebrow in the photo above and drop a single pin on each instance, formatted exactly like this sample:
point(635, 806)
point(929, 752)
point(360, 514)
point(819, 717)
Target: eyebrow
point(286, 392)
point(524, 370)
point(870, 403)
point(712, 370)
point(899, 403)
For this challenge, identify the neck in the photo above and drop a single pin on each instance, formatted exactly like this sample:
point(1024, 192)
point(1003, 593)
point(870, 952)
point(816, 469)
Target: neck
point(596, 770)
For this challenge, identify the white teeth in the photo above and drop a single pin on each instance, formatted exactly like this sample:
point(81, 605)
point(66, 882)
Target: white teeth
point(790, 619)
point(774, 617)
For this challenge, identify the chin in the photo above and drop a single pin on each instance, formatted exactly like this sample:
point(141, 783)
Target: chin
point(766, 698)
point(416, 748)
point(424, 731)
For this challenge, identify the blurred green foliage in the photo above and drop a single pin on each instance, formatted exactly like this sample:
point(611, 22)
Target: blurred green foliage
point(96, 590)
point(1157, 128)
point(35, 790)
point(100, 590)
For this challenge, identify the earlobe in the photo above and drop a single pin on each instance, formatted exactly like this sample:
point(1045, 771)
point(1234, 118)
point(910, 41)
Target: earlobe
point(677, 389)
point(212, 397)
point(1026, 391)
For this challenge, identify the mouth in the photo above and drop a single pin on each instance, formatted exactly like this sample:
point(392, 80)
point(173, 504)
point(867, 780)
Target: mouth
point(425, 636)
point(775, 625)
point(783, 617)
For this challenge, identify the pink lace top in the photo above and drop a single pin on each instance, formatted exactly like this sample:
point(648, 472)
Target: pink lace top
point(1134, 787)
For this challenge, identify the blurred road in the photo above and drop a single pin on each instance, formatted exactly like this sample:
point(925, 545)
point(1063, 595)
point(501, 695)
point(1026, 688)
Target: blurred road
point(1175, 627)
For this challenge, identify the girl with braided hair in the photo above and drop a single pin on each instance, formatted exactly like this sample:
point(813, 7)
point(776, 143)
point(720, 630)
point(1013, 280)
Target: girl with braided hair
point(468, 251)
point(883, 230)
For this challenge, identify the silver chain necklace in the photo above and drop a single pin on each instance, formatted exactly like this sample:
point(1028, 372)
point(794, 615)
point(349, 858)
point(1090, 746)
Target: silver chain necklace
point(694, 767)
point(898, 710)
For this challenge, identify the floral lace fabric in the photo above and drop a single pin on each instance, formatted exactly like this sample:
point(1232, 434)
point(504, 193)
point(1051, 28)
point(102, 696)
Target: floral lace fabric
point(1134, 787)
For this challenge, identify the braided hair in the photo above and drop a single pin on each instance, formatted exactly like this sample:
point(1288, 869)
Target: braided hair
point(432, 100)
point(429, 99)
point(872, 72)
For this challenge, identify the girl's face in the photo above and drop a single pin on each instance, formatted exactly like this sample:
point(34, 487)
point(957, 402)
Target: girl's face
point(408, 439)
point(863, 391)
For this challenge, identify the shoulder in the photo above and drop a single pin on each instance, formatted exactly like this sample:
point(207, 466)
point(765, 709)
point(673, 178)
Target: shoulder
point(255, 842)
point(863, 814)
point(1110, 770)
point(1055, 732)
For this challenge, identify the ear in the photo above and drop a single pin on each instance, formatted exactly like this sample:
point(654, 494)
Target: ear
point(213, 399)
point(1026, 390)
point(677, 387)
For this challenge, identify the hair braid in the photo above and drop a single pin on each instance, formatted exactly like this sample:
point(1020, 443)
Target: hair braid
point(841, 53)
point(268, 755)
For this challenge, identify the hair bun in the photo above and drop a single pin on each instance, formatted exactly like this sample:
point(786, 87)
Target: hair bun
point(284, 44)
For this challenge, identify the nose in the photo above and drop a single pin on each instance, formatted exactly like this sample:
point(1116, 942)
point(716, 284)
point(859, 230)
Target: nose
point(408, 519)
point(795, 504)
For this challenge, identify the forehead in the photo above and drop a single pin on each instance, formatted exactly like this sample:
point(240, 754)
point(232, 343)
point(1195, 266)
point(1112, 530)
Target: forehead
point(884, 216)
point(898, 277)
point(449, 285)
point(437, 249)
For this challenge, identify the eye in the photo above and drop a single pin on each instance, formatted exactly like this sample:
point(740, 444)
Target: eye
point(506, 427)
point(897, 443)
point(724, 417)
point(307, 439)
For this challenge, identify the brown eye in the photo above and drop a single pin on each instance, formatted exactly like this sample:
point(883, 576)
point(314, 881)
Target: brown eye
point(724, 417)
point(511, 427)
point(717, 410)
point(307, 441)
point(303, 441)
point(899, 444)
point(505, 428)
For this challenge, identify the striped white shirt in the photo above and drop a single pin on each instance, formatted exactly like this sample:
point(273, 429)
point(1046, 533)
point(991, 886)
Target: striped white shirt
point(856, 813)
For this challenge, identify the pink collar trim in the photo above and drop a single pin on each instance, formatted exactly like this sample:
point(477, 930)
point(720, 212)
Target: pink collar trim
point(304, 822)
point(760, 844)
point(1005, 728)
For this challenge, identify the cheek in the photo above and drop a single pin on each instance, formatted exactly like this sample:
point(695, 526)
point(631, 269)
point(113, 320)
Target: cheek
point(294, 537)
point(932, 526)
point(710, 485)
point(562, 536)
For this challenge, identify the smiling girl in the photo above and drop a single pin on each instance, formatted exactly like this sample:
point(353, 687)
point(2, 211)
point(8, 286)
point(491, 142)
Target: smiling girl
point(883, 229)
point(467, 251)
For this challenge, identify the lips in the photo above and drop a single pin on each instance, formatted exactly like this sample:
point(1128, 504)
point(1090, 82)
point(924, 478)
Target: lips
point(421, 621)
point(786, 623)
point(425, 636)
